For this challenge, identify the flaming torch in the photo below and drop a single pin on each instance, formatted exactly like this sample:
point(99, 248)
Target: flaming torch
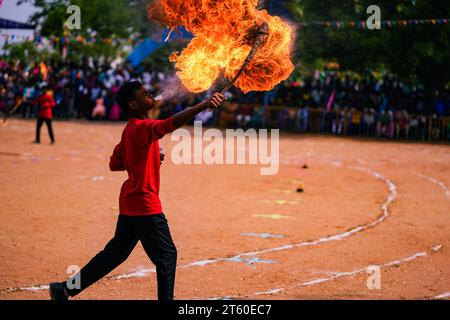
point(248, 46)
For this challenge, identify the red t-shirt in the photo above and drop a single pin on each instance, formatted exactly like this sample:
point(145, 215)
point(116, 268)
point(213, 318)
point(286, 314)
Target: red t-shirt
point(46, 103)
point(138, 154)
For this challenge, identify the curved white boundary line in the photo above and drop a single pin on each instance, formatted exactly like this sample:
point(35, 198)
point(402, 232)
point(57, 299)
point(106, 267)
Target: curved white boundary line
point(143, 272)
point(443, 296)
point(336, 275)
point(337, 237)
point(437, 182)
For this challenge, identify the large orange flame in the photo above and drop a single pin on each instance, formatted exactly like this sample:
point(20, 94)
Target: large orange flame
point(221, 42)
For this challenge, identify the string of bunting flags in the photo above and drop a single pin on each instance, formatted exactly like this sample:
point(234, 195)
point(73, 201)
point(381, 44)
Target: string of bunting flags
point(384, 23)
point(68, 39)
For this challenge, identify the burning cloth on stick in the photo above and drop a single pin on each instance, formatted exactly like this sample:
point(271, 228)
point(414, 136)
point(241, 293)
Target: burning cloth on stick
point(224, 34)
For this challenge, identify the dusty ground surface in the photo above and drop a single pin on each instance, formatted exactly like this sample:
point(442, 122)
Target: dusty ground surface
point(365, 203)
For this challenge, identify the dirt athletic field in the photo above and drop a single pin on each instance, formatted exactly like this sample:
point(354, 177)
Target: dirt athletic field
point(239, 234)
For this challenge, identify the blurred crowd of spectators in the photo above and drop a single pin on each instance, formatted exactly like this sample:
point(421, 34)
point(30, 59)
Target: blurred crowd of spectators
point(325, 102)
point(344, 104)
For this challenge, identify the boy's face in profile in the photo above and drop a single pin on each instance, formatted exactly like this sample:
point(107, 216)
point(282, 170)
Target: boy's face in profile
point(143, 101)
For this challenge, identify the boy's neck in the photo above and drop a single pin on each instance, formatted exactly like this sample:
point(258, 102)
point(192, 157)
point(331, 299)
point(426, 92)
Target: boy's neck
point(139, 116)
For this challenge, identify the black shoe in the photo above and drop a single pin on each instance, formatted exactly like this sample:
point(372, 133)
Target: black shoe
point(37, 142)
point(57, 291)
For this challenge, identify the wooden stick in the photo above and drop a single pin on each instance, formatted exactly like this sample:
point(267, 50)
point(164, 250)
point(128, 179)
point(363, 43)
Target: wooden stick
point(12, 110)
point(261, 36)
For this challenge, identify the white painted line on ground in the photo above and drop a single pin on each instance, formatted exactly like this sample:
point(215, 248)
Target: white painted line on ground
point(143, 272)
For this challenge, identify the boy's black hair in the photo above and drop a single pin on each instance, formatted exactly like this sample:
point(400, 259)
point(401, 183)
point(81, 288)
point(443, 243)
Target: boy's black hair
point(126, 94)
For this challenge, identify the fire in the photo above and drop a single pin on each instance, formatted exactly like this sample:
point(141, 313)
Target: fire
point(221, 43)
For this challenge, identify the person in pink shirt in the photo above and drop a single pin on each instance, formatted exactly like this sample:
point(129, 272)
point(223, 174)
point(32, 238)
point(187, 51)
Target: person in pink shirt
point(114, 113)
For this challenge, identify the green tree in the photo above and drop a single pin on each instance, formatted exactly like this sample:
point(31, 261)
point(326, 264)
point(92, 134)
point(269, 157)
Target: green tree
point(106, 17)
point(99, 19)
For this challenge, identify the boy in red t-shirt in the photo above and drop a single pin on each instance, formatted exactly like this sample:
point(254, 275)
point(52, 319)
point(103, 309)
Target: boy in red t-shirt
point(45, 103)
point(141, 217)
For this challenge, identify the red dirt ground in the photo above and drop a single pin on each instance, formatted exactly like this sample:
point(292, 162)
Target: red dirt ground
point(59, 208)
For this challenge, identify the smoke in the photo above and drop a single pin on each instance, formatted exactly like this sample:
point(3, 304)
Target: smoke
point(171, 87)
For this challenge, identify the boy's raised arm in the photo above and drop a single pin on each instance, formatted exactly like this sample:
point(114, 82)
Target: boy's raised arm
point(157, 129)
point(183, 117)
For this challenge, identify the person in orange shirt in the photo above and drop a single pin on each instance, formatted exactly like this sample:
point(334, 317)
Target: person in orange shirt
point(46, 103)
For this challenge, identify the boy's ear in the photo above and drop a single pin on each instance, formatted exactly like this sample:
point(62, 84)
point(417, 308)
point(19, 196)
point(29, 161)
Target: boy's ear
point(132, 105)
